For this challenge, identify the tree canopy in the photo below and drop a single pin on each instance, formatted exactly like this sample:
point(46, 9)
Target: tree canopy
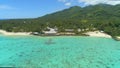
point(102, 17)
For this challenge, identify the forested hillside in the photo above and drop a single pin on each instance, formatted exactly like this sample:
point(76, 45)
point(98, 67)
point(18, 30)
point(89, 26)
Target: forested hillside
point(102, 17)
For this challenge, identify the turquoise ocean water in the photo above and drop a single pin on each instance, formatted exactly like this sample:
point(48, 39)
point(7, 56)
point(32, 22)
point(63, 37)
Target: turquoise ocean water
point(63, 52)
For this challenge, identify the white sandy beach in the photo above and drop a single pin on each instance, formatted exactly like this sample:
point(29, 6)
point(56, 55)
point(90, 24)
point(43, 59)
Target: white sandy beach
point(118, 37)
point(13, 33)
point(90, 33)
point(98, 34)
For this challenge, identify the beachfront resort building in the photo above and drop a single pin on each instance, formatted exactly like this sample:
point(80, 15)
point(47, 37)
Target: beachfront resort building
point(50, 32)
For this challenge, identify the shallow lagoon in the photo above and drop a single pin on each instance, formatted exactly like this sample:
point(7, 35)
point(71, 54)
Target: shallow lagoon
point(65, 52)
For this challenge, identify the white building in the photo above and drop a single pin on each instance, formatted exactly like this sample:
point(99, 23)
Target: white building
point(51, 31)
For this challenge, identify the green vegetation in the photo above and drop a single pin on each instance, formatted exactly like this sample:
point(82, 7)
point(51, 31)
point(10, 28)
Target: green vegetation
point(102, 17)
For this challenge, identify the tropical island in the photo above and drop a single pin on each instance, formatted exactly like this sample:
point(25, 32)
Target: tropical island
point(100, 20)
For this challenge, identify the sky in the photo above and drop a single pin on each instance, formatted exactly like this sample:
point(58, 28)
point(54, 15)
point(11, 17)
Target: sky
point(12, 9)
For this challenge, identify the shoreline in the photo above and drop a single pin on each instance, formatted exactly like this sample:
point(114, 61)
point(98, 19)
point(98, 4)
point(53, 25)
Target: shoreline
point(97, 34)
point(89, 34)
point(117, 38)
point(14, 33)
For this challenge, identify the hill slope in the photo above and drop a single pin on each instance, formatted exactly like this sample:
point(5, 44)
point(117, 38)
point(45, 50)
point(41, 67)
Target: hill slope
point(103, 17)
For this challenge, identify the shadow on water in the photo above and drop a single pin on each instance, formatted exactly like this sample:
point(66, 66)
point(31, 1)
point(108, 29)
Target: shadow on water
point(49, 42)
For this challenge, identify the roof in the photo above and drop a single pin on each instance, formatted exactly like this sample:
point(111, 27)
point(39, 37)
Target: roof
point(52, 31)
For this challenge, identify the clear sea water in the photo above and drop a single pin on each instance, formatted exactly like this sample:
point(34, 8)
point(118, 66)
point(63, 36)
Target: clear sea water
point(63, 52)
